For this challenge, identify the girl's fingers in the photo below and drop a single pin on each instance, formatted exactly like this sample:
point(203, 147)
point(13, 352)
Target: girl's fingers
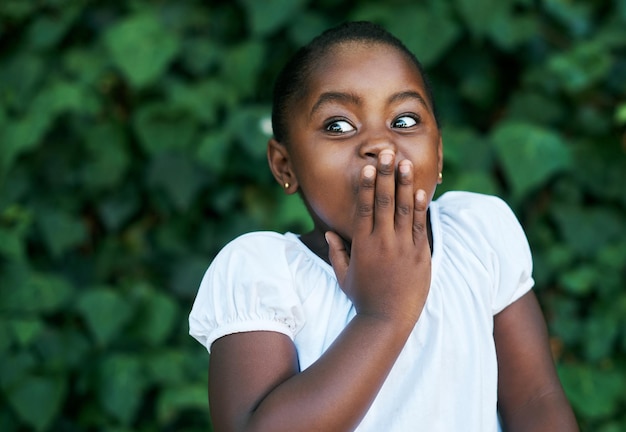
point(405, 199)
point(419, 216)
point(364, 221)
point(384, 202)
point(338, 256)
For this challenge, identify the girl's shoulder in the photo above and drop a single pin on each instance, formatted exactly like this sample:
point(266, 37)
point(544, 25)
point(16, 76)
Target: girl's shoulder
point(266, 254)
point(475, 211)
point(269, 238)
point(485, 227)
point(260, 244)
point(249, 287)
point(480, 222)
point(461, 201)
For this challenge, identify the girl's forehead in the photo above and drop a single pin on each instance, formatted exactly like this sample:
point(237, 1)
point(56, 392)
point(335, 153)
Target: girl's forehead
point(362, 65)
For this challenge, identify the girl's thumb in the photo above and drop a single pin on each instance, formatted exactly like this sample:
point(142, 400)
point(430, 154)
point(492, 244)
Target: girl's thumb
point(338, 255)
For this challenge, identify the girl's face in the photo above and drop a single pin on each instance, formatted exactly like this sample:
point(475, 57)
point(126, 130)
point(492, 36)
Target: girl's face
point(360, 99)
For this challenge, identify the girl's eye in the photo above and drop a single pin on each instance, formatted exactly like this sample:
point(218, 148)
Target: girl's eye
point(339, 127)
point(404, 121)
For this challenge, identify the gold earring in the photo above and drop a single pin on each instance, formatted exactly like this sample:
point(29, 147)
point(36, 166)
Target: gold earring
point(440, 177)
point(286, 185)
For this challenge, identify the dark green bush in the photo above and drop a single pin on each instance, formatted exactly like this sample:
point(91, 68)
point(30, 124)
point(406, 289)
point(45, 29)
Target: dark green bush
point(132, 147)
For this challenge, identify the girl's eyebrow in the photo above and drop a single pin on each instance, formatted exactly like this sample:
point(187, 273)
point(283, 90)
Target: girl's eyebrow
point(351, 98)
point(410, 94)
point(328, 97)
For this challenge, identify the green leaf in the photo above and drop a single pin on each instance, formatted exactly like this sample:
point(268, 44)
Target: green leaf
point(26, 329)
point(20, 136)
point(242, 66)
point(464, 150)
point(613, 426)
point(61, 231)
point(580, 280)
point(17, 9)
point(430, 50)
point(199, 55)
point(20, 79)
point(587, 230)
point(479, 15)
point(37, 400)
point(560, 257)
point(33, 292)
point(64, 349)
point(475, 181)
point(565, 322)
point(534, 107)
point(213, 151)
point(158, 316)
point(88, 66)
point(117, 209)
point(186, 275)
point(292, 215)
point(141, 47)
point(613, 257)
point(107, 159)
point(166, 367)
point(5, 342)
point(510, 31)
point(105, 311)
point(15, 367)
point(530, 155)
point(582, 66)
point(178, 176)
point(202, 100)
point(415, 27)
point(11, 246)
point(162, 127)
point(575, 15)
point(269, 15)
point(253, 136)
point(120, 387)
point(304, 27)
point(620, 114)
point(600, 331)
point(479, 82)
point(48, 30)
point(594, 393)
point(174, 400)
point(60, 97)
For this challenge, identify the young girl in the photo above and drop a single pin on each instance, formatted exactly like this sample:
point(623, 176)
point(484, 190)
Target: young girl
point(395, 313)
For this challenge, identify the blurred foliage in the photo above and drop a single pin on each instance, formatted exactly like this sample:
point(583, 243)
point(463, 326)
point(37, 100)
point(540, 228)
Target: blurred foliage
point(132, 148)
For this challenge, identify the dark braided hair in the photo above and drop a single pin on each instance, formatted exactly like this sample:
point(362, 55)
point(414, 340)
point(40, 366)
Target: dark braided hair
point(291, 81)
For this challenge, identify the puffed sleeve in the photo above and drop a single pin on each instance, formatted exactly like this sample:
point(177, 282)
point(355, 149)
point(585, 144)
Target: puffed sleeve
point(513, 263)
point(247, 287)
point(490, 231)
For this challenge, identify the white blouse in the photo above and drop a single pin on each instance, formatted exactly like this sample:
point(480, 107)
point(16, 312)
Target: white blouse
point(445, 379)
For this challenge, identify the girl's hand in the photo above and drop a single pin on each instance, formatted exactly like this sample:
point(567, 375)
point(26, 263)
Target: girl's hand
point(254, 379)
point(387, 274)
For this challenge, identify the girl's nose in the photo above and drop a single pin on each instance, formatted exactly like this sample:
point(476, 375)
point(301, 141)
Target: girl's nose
point(371, 146)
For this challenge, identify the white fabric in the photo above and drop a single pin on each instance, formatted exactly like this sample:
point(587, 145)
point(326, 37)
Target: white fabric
point(445, 379)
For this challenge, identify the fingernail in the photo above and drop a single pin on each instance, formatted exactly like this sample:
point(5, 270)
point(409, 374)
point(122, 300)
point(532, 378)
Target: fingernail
point(369, 171)
point(386, 157)
point(421, 195)
point(404, 168)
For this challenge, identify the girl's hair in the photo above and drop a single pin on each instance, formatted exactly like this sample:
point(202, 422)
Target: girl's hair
point(291, 81)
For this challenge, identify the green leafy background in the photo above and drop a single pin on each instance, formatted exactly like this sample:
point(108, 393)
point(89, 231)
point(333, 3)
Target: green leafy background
point(132, 148)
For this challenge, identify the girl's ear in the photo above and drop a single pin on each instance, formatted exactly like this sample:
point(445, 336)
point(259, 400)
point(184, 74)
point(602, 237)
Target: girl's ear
point(280, 164)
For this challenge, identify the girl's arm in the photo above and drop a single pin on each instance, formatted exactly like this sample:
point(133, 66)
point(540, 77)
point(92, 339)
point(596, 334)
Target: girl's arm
point(254, 379)
point(530, 395)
